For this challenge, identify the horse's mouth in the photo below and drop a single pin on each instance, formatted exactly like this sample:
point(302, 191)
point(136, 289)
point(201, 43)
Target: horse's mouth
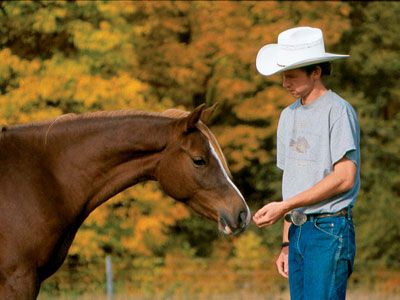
point(224, 227)
point(228, 230)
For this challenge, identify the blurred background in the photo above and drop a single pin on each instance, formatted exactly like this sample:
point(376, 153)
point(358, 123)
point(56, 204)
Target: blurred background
point(59, 57)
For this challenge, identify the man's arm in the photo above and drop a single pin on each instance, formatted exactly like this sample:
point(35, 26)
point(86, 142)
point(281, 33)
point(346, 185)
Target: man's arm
point(339, 181)
point(282, 262)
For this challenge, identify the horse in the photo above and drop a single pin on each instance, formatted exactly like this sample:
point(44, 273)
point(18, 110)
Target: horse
point(53, 174)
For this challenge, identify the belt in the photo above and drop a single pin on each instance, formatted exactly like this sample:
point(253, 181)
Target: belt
point(299, 218)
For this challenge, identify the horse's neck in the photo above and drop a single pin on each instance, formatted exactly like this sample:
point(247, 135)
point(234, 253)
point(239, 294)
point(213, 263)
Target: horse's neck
point(97, 159)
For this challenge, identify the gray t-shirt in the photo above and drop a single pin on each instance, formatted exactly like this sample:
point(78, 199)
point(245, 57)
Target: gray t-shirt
point(311, 139)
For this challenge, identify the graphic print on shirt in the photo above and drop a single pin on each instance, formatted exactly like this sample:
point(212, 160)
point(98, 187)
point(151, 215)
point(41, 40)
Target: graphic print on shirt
point(300, 145)
point(304, 146)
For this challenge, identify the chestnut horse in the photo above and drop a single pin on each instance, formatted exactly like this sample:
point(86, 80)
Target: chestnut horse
point(54, 174)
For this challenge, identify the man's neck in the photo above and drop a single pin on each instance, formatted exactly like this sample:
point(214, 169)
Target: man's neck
point(314, 94)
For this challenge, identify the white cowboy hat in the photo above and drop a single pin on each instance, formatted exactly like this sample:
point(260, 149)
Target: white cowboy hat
point(297, 47)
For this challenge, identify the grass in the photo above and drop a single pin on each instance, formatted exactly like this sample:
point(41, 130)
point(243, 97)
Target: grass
point(357, 294)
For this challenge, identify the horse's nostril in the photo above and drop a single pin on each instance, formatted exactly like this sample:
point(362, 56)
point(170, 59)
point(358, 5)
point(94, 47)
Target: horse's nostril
point(242, 219)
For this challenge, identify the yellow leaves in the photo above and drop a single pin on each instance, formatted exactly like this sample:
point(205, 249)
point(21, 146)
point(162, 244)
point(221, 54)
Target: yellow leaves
point(118, 92)
point(231, 89)
point(45, 20)
point(87, 37)
point(266, 104)
point(150, 230)
point(249, 251)
point(85, 244)
point(59, 81)
point(98, 216)
point(242, 144)
point(142, 216)
point(11, 64)
point(184, 51)
point(116, 8)
point(40, 115)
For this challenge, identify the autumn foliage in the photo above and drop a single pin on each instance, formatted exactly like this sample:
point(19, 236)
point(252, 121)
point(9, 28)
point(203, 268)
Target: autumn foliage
point(58, 57)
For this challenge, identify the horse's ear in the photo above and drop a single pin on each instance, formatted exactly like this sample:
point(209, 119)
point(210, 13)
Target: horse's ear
point(193, 118)
point(208, 112)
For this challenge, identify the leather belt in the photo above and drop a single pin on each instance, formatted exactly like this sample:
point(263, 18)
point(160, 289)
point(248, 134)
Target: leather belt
point(298, 218)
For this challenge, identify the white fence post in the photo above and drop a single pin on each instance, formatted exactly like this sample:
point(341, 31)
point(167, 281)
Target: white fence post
point(109, 277)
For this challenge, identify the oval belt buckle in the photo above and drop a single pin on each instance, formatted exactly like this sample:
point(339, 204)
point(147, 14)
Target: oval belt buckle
point(298, 218)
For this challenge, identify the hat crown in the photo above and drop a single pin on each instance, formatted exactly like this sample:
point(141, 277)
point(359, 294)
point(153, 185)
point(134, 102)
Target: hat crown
point(299, 43)
point(299, 36)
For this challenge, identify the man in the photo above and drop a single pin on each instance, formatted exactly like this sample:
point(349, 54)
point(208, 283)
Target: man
point(318, 151)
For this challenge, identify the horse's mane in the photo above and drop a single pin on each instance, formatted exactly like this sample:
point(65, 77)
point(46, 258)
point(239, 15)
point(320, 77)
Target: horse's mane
point(169, 113)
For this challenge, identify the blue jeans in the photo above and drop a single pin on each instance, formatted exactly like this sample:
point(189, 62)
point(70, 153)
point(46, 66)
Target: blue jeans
point(321, 258)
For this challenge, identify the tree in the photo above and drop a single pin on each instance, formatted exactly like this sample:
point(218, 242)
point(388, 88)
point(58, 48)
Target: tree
point(371, 82)
point(78, 56)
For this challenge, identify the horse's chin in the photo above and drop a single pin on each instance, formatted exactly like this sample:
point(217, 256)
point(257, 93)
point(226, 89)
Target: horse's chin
point(226, 229)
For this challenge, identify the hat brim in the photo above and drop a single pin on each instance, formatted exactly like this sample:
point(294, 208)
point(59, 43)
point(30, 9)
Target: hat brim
point(267, 64)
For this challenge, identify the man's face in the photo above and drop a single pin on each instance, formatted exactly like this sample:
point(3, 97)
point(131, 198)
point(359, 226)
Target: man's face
point(298, 83)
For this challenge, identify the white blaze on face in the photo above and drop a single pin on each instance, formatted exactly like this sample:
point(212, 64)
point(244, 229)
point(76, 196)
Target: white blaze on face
point(214, 153)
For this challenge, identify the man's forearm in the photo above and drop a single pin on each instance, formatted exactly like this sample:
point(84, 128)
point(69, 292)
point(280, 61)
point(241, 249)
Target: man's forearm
point(339, 181)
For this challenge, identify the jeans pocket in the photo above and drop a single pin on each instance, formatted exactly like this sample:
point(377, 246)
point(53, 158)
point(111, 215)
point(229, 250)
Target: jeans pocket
point(330, 226)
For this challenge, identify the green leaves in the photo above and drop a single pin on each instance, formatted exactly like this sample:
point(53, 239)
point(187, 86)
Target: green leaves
point(77, 56)
point(371, 80)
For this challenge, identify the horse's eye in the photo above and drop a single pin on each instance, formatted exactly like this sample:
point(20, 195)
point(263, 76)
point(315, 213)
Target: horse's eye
point(199, 161)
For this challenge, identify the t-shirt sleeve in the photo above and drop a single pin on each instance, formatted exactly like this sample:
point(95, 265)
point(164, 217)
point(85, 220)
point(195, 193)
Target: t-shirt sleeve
point(344, 137)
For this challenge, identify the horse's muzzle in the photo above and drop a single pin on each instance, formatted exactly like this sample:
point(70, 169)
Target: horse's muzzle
point(234, 227)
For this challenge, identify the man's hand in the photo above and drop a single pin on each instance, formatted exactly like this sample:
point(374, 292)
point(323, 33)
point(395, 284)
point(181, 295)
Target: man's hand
point(282, 263)
point(270, 213)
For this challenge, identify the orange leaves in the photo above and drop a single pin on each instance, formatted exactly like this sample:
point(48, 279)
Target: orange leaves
point(249, 251)
point(102, 39)
point(232, 89)
point(242, 145)
point(266, 105)
point(45, 19)
point(118, 92)
point(142, 216)
point(152, 55)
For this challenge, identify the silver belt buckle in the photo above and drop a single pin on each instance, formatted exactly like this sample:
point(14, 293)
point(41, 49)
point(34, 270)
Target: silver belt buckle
point(298, 218)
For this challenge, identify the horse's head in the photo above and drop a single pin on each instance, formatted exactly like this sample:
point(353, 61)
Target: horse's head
point(193, 170)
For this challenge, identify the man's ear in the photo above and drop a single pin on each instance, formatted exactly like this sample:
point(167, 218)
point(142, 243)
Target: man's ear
point(193, 118)
point(317, 72)
point(207, 113)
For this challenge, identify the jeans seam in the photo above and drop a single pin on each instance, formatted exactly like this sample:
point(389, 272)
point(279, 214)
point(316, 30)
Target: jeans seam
point(298, 242)
point(337, 257)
